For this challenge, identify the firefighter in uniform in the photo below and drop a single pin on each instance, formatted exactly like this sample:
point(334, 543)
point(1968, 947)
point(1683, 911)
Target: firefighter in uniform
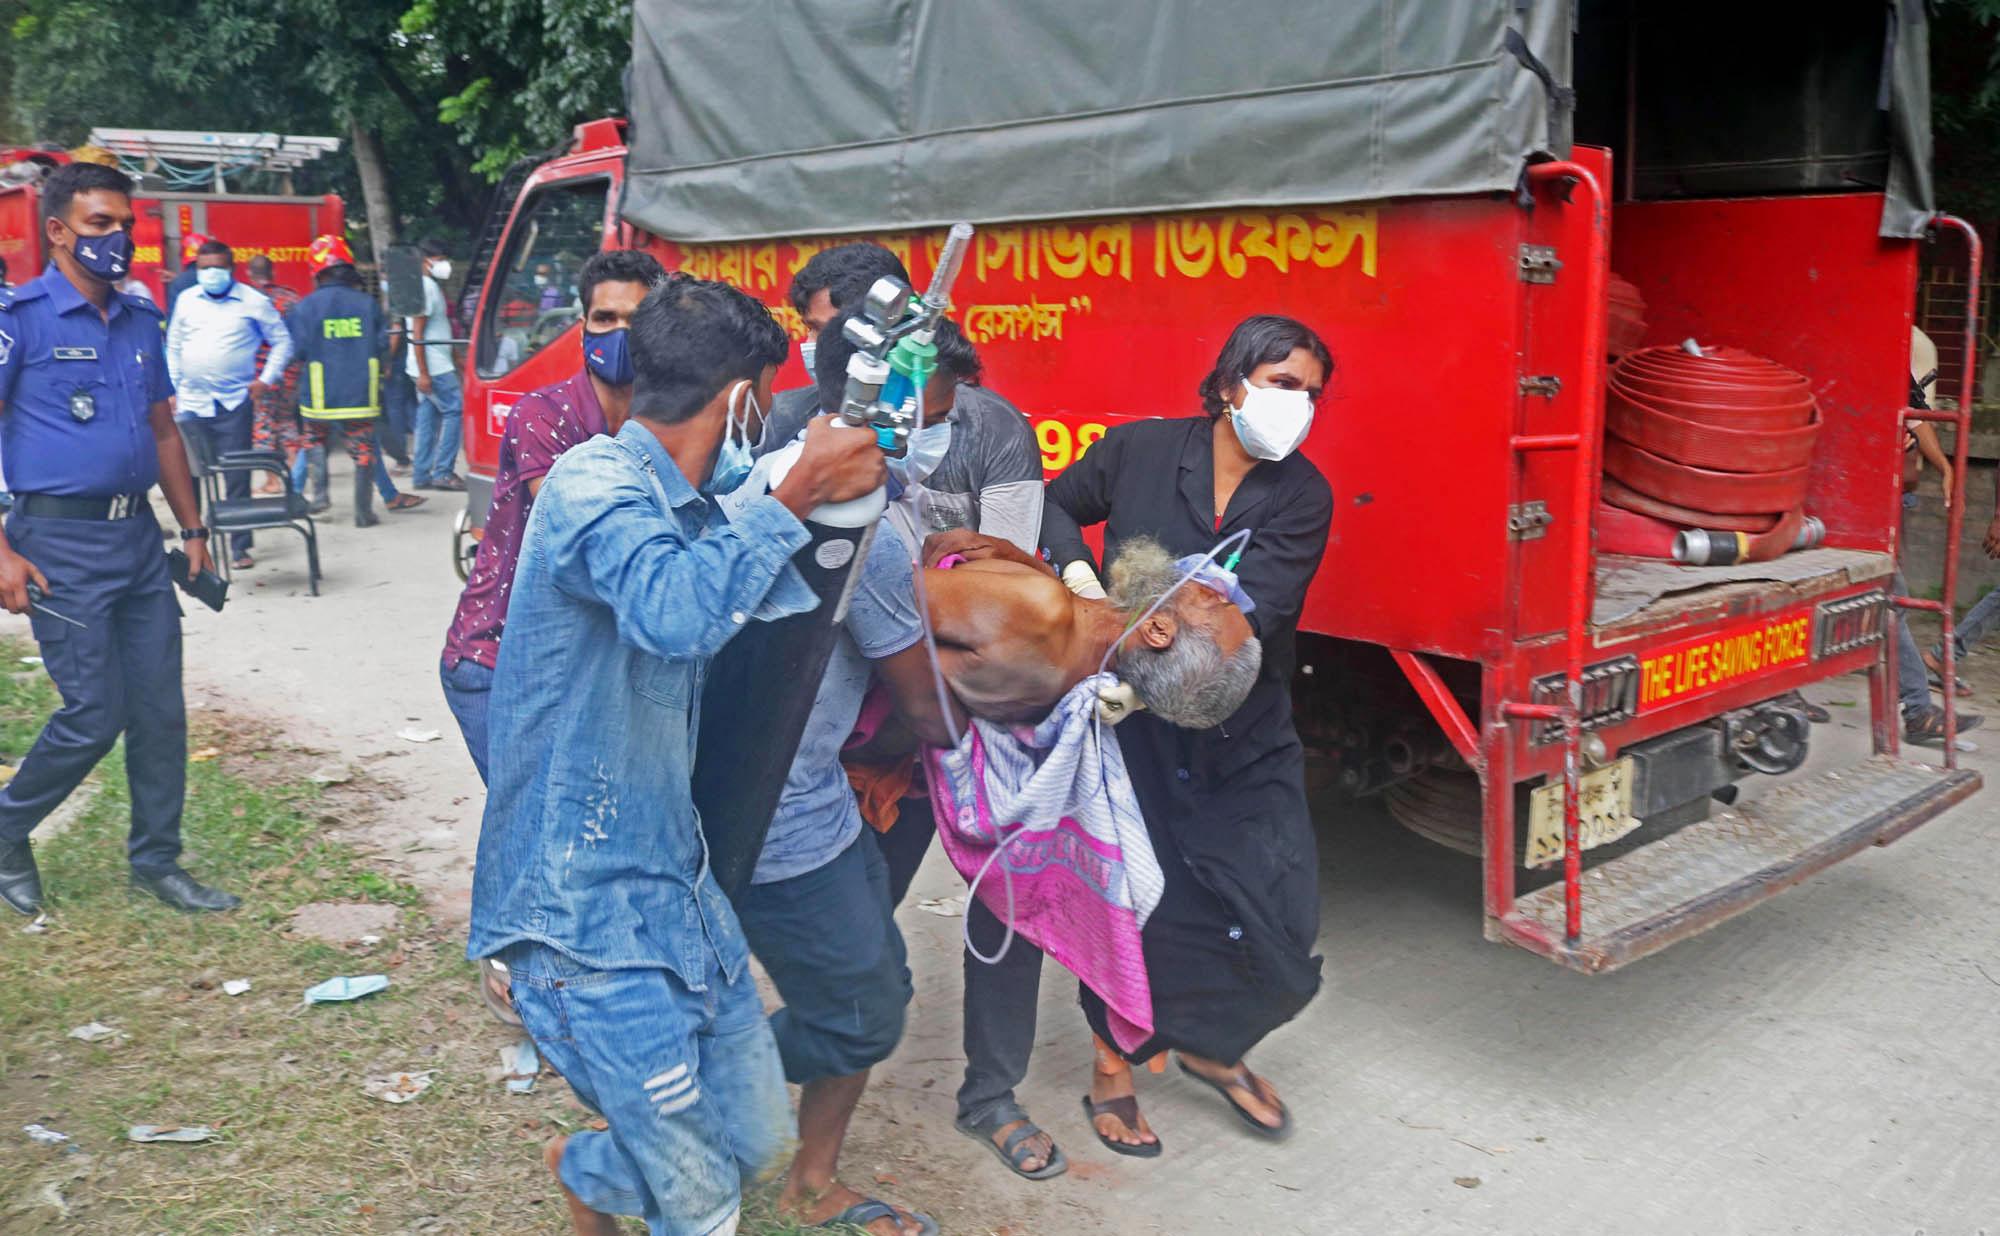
point(339, 340)
point(86, 428)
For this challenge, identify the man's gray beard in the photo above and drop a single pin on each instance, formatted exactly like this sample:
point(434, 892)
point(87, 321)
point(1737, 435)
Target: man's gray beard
point(1190, 683)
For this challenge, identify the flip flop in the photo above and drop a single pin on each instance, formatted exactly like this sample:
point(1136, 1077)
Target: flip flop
point(862, 1213)
point(1958, 680)
point(405, 502)
point(1126, 1111)
point(1243, 1078)
point(1015, 1149)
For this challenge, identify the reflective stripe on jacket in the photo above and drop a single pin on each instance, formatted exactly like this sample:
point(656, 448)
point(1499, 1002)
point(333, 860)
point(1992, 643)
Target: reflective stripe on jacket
point(340, 343)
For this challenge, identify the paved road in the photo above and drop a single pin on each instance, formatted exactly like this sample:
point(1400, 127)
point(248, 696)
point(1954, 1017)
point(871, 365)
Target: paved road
point(1824, 1064)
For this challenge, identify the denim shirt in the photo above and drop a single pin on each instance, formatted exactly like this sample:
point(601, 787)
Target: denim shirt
point(628, 583)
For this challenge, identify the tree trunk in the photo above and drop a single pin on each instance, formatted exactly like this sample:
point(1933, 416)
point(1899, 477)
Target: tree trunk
point(374, 173)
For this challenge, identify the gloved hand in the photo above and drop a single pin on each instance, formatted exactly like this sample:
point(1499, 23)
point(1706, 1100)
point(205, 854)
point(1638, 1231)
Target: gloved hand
point(1117, 702)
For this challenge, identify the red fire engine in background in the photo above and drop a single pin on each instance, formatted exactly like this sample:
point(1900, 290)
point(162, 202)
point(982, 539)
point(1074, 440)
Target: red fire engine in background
point(1466, 651)
point(277, 226)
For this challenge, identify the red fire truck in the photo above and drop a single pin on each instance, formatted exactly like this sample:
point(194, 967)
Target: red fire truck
point(277, 226)
point(1445, 200)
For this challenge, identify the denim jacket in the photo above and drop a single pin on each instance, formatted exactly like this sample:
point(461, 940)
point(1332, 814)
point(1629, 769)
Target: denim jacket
point(629, 582)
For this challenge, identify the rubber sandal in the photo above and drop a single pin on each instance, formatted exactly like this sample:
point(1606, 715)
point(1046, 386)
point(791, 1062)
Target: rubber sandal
point(1926, 725)
point(406, 502)
point(871, 1210)
point(450, 484)
point(1958, 680)
point(1015, 1149)
point(1243, 1078)
point(1125, 1110)
point(242, 562)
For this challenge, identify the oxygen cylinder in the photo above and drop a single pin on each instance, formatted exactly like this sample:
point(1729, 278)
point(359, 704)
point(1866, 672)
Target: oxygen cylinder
point(762, 686)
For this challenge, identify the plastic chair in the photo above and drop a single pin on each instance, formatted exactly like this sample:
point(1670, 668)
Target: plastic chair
point(226, 515)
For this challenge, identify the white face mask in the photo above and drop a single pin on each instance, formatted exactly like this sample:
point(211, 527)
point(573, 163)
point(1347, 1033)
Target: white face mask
point(1270, 421)
point(441, 270)
point(927, 450)
point(806, 351)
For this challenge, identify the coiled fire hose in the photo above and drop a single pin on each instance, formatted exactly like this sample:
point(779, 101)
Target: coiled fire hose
point(1707, 452)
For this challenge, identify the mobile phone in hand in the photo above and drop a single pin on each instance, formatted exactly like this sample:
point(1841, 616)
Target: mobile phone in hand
point(208, 587)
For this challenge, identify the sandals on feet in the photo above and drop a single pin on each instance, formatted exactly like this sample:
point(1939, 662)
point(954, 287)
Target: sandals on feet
point(404, 502)
point(1925, 725)
point(870, 1210)
point(1015, 1148)
point(1125, 1110)
point(1244, 1078)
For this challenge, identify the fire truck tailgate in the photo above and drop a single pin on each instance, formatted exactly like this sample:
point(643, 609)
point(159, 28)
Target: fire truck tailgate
point(1709, 872)
point(1640, 592)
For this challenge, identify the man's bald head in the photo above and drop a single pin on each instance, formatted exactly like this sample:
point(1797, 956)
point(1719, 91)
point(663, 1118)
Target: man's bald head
point(1195, 659)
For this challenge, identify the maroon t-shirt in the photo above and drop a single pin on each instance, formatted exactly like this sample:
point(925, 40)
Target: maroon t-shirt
point(540, 427)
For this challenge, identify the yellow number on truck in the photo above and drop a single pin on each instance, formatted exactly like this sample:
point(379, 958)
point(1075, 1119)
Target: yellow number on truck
point(1060, 446)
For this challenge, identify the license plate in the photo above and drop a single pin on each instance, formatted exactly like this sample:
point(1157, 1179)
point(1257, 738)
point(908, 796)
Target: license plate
point(1604, 812)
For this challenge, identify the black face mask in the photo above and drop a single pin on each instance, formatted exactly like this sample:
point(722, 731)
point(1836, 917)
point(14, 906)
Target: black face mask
point(108, 257)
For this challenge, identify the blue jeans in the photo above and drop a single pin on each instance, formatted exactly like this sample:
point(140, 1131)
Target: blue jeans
point(311, 464)
point(435, 455)
point(1913, 688)
point(467, 688)
point(1973, 629)
point(688, 1081)
point(120, 673)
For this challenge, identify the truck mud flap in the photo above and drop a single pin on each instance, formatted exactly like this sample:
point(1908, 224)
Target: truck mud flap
point(1710, 872)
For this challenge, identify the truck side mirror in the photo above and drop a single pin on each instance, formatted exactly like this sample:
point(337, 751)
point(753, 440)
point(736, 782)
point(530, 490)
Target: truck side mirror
point(403, 276)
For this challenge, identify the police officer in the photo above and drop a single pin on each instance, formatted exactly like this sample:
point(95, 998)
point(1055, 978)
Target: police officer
point(338, 339)
point(85, 430)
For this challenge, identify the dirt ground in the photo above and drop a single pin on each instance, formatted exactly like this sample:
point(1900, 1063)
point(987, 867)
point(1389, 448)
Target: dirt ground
point(1824, 1063)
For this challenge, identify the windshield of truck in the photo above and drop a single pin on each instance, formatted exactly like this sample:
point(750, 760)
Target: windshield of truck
point(532, 295)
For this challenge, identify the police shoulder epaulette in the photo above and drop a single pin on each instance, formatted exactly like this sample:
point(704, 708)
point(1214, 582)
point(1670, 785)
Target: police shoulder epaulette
point(6, 300)
point(142, 302)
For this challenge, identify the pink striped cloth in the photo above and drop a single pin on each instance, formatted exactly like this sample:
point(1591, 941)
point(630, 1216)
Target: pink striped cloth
point(1083, 873)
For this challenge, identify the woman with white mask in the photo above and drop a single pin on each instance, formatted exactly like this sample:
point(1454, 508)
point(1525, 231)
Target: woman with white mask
point(1229, 950)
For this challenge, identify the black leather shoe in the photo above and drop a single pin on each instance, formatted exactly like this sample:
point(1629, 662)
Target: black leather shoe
point(183, 892)
point(20, 882)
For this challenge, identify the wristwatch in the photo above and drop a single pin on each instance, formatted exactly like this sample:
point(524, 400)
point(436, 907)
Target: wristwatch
point(194, 534)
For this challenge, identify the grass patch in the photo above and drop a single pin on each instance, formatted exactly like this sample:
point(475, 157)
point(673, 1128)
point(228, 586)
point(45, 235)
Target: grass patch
point(302, 1148)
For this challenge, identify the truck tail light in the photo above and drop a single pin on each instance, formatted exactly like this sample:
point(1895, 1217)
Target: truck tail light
point(1849, 623)
point(1610, 695)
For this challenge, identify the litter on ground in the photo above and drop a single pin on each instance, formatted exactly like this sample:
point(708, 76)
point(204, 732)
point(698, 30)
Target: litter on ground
point(411, 733)
point(346, 987)
point(44, 1136)
point(235, 987)
point(399, 1087)
point(523, 1064)
point(171, 1133)
point(93, 1032)
point(943, 907)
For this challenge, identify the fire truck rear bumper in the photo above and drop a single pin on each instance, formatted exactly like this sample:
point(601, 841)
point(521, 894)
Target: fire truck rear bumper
point(1712, 871)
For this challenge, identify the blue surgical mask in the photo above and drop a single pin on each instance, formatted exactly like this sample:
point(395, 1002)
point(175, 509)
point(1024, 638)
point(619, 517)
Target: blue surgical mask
point(609, 355)
point(214, 280)
point(108, 257)
point(734, 461)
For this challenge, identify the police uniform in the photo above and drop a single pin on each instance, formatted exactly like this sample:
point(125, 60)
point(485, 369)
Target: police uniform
point(338, 340)
point(77, 445)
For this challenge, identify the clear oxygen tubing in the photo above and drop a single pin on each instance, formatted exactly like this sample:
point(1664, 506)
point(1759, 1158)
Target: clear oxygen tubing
point(1234, 541)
